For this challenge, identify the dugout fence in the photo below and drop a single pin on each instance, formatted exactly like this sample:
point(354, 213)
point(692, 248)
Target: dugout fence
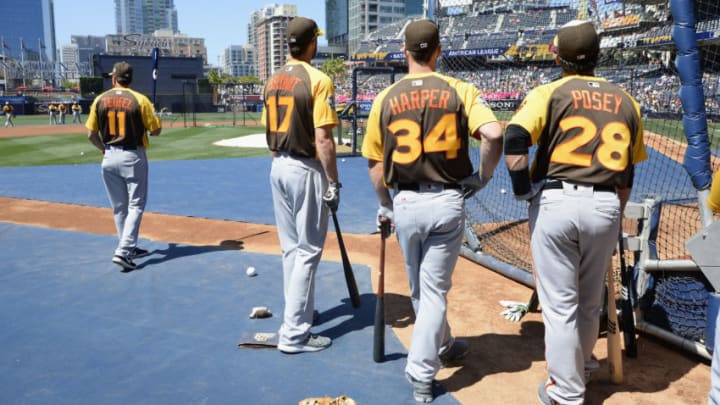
point(667, 55)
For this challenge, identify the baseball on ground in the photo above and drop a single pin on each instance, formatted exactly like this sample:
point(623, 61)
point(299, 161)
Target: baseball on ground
point(251, 271)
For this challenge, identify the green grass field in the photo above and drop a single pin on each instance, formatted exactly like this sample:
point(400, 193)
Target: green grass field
point(180, 143)
point(172, 144)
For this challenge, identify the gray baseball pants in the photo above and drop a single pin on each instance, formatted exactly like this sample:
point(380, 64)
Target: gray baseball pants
point(573, 232)
point(125, 174)
point(302, 219)
point(429, 227)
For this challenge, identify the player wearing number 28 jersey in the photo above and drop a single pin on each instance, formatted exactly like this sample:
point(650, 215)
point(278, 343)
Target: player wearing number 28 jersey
point(588, 134)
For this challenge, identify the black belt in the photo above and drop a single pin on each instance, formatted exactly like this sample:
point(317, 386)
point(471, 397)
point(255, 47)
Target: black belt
point(558, 185)
point(428, 185)
point(122, 147)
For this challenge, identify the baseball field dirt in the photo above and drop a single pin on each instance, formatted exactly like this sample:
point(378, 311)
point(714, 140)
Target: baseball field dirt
point(506, 359)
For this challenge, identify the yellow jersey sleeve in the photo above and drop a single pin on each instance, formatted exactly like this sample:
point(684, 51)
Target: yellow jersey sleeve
point(92, 123)
point(532, 112)
point(323, 91)
point(372, 146)
point(639, 153)
point(477, 110)
point(714, 198)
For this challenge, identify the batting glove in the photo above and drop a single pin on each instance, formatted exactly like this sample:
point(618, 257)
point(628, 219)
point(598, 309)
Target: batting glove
point(332, 196)
point(473, 183)
point(385, 220)
point(515, 310)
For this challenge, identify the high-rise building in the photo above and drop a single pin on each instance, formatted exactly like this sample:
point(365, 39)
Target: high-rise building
point(336, 23)
point(87, 46)
point(70, 62)
point(145, 16)
point(269, 24)
point(28, 26)
point(238, 60)
point(365, 16)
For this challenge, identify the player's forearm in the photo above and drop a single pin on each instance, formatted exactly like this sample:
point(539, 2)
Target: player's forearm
point(624, 197)
point(95, 140)
point(491, 148)
point(375, 171)
point(325, 146)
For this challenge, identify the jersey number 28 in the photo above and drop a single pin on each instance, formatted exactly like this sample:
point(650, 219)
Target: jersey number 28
point(613, 151)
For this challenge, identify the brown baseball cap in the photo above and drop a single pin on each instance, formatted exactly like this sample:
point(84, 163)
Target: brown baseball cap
point(422, 36)
point(301, 31)
point(123, 72)
point(577, 42)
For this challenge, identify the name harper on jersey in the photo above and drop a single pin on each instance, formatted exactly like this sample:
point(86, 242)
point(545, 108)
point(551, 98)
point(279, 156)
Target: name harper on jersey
point(283, 82)
point(596, 100)
point(418, 99)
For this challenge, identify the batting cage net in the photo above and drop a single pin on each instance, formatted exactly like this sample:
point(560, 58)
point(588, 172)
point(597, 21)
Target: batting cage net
point(667, 55)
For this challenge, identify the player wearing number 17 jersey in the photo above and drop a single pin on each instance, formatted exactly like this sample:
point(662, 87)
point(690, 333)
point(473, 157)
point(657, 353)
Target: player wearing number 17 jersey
point(117, 125)
point(417, 141)
point(589, 136)
point(298, 119)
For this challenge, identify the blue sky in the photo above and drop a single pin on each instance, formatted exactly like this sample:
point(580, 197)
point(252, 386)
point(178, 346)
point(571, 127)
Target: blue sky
point(220, 22)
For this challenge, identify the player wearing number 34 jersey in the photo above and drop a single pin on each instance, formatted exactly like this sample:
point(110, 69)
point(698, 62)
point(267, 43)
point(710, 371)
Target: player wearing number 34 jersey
point(417, 141)
point(589, 136)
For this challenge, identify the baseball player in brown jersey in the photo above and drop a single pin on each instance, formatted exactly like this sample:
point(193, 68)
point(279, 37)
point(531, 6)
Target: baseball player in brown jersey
point(298, 120)
point(589, 136)
point(417, 142)
point(117, 125)
point(9, 111)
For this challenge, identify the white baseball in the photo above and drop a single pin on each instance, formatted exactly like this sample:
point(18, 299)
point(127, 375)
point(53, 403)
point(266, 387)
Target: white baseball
point(503, 191)
point(82, 153)
point(251, 271)
point(342, 160)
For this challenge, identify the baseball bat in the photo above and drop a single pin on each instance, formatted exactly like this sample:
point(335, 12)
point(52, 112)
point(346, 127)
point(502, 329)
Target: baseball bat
point(615, 364)
point(154, 73)
point(347, 268)
point(628, 316)
point(379, 331)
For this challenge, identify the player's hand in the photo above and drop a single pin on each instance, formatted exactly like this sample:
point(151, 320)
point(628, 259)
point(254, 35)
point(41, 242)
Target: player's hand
point(385, 220)
point(473, 183)
point(534, 189)
point(515, 310)
point(332, 196)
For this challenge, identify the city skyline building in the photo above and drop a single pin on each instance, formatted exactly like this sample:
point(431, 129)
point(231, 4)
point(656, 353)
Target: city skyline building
point(238, 60)
point(145, 16)
point(366, 16)
point(269, 24)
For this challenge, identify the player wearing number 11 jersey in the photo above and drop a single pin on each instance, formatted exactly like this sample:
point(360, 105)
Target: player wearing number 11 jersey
point(117, 125)
point(589, 136)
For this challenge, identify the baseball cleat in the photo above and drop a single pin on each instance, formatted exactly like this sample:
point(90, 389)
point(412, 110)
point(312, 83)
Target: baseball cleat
point(124, 262)
point(137, 253)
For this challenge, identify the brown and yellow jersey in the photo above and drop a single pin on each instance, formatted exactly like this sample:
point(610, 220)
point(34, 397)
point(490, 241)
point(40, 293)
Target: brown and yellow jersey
point(297, 99)
point(587, 130)
point(122, 116)
point(420, 126)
